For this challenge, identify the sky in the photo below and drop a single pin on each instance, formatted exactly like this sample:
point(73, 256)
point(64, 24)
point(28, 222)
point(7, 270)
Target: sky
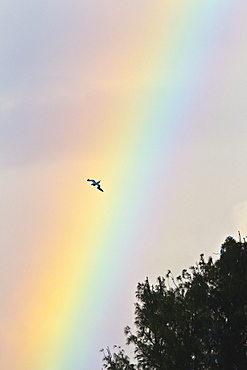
point(150, 97)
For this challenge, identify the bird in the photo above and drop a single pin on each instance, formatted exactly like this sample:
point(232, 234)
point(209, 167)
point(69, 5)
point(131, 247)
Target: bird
point(96, 183)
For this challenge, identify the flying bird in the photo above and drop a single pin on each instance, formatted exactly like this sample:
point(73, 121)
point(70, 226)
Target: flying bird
point(96, 183)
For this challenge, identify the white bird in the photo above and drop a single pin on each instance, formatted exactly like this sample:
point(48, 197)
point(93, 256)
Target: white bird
point(96, 183)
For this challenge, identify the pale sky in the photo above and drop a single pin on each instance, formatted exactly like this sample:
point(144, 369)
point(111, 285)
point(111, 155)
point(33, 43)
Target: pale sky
point(151, 99)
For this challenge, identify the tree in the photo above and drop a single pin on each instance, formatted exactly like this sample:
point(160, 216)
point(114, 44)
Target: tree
point(116, 361)
point(196, 321)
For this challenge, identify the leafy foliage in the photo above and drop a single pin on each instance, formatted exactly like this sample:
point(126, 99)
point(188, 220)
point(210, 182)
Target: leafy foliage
point(116, 361)
point(196, 321)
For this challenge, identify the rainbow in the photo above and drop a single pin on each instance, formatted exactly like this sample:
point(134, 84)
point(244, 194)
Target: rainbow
point(148, 85)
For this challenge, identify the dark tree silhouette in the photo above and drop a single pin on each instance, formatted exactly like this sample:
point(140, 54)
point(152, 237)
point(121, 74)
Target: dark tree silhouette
point(116, 361)
point(196, 321)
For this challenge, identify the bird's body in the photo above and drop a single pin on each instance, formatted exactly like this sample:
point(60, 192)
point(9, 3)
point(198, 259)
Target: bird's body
point(96, 183)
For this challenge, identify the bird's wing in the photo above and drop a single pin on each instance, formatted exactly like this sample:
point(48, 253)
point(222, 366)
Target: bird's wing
point(98, 187)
